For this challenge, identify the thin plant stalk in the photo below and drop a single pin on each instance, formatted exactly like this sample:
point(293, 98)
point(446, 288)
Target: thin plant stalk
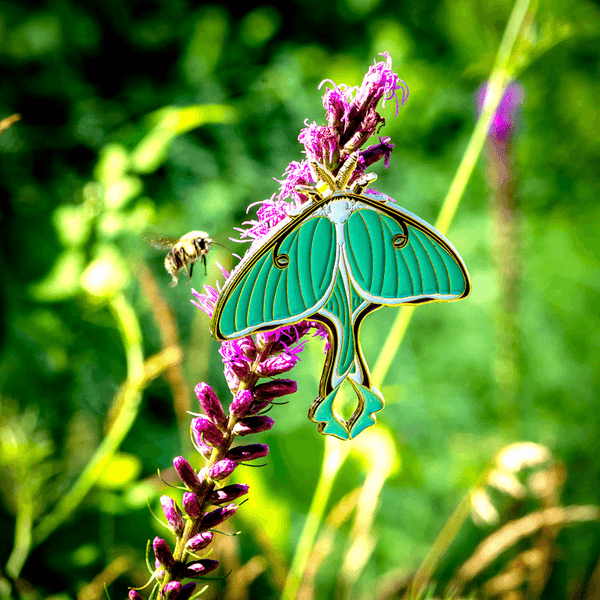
point(498, 80)
point(127, 401)
point(335, 455)
point(23, 535)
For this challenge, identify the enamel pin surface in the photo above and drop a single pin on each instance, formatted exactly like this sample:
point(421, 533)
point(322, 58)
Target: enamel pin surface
point(342, 255)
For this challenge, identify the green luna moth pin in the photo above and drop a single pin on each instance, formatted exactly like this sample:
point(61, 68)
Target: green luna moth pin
point(337, 258)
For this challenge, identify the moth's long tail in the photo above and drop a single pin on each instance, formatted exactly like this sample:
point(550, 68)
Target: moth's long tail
point(344, 361)
point(369, 401)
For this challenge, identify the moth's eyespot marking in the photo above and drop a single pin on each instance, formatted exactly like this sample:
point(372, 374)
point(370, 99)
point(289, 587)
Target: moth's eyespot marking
point(399, 240)
point(282, 260)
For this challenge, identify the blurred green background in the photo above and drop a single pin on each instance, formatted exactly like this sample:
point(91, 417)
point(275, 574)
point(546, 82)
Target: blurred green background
point(168, 116)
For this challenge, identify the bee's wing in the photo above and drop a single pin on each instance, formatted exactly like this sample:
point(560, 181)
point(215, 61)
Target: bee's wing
point(161, 242)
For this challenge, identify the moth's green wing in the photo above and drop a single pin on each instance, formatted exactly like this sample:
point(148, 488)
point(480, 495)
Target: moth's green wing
point(261, 295)
point(425, 268)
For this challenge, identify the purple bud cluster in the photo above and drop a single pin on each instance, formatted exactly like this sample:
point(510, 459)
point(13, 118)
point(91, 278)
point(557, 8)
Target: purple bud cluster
point(352, 118)
point(213, 434)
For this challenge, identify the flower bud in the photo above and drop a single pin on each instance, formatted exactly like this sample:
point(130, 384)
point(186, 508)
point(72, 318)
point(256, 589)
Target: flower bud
point(247, 347)
point(171, 590)
point(241, 403)
point(203, 448)
point(276, 365)
point(210, 403)
point(228, 493)
point(254, 424)
point(217, 516)
point(172, 514)
point(163, 553)
point(223, 468)
point(159, 572)
point(135, 595)
point(207, 432)
point(191, 505)
point(201, 567)
point(187, 474)
point(249, 452)
point(186, 591)
point(199, 541)
point(274, 389)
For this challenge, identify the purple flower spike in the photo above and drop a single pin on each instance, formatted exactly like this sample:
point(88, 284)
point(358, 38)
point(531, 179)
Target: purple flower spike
point(171, 590)
point(249, 452)
point(241, 403)
point(172, 514)
point(163, 553)
point(191, 505)
point(186, 473)
point(253, 425)
point(210, 403)
point(202, 567)
point(135, 595)
point(217, 516)
point(207, 432)
point(506, 119)
point(222, 469)
point(229, 493)
point(186, 591)
point(266, 392)
point(199, 541)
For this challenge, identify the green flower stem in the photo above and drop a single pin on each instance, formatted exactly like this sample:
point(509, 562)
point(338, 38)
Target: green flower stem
point(23, 537)
point(127, 402)
point(498, 80)
point(335, 455)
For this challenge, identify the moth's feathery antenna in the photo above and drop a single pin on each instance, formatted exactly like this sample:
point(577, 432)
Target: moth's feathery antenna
point(308, 190)
point(322, 174)
point(345, 173)
point(362, 182)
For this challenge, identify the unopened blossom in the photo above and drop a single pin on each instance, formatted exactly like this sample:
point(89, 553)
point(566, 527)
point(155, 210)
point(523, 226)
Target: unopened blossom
point(187, 591)
point(163, 553)
point(191, 505)
point(210, 403)
point(280, 363)
point(172, 514)
point(171, 590)
point(241, 404)
point(230, 492)
point(222, 469)
point(202, 567)
point(200, 541)
point(217, 516)
point(274, 389)
point(254, 424)
point(206, 431)
point(249, 452)
point(186, 473)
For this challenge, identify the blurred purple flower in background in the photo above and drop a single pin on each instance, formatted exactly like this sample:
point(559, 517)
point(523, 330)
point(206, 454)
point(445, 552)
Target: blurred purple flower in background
point(506, 240)
point(507, 116)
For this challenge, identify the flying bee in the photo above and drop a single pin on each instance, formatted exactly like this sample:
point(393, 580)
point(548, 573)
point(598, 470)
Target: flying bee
point(184, 252)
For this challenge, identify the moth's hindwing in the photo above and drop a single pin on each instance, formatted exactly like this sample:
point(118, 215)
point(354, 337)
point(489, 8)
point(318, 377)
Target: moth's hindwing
point(395, 259)
point(288, 279)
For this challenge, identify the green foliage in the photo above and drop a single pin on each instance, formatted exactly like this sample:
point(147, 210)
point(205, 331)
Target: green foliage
point(172, 117)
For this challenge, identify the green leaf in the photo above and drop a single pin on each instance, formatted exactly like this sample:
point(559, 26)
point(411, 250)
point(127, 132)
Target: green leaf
point(171, 121)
